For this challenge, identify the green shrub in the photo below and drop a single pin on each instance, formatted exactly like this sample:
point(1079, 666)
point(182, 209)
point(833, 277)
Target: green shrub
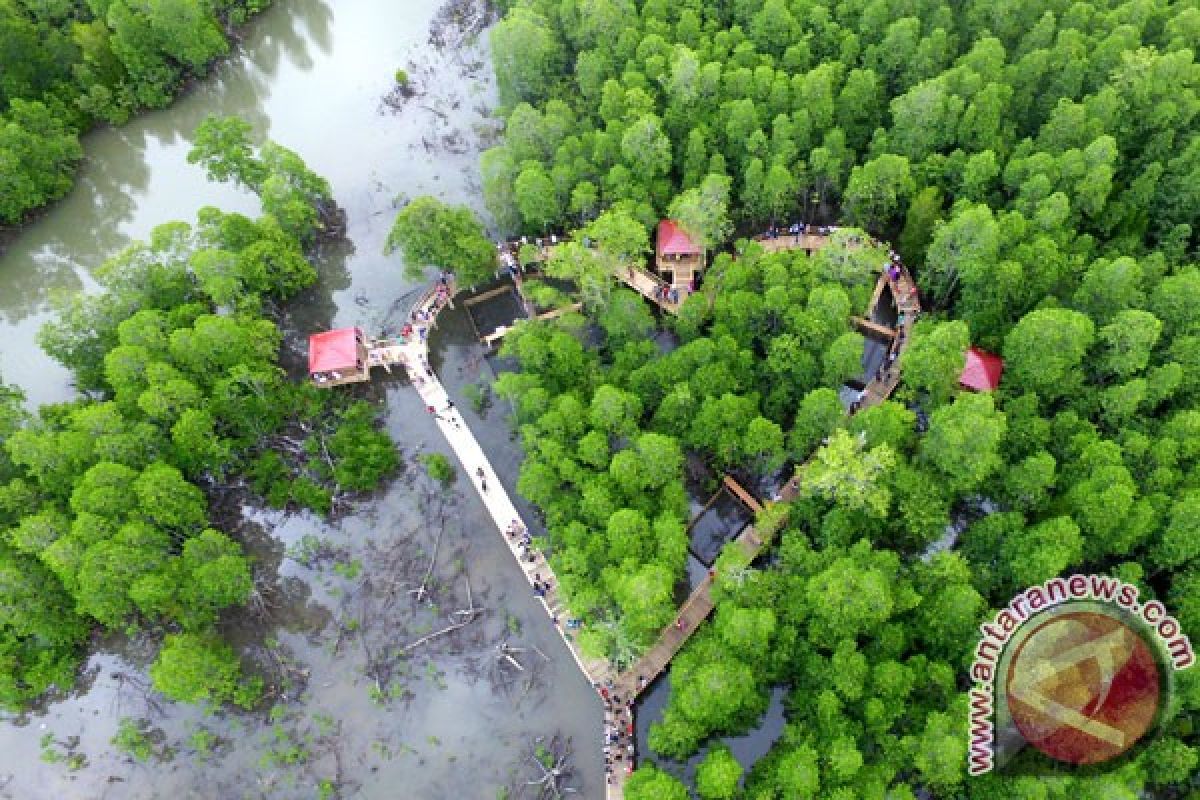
point(438, 467)
point(307, 493)
point(479, 395)
point(131, 738)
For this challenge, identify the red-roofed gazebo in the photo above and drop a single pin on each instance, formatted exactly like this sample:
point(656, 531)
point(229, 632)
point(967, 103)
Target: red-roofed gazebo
point(982, 371)
point(674, 241)
point(338, 356)
point(679, 259)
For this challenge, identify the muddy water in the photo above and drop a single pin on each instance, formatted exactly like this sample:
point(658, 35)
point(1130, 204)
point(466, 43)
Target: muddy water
point(338, 616)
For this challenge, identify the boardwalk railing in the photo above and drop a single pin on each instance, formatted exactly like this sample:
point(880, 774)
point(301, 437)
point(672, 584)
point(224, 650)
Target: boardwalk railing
point(651, 287)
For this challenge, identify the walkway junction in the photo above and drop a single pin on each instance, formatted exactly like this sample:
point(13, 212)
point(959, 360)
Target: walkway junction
point(347, 356)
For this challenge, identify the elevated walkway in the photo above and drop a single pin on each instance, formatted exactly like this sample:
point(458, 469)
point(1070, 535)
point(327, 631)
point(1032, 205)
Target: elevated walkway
point(652, 287)
point(495, 337)
point(641, 280)
point(627, 685)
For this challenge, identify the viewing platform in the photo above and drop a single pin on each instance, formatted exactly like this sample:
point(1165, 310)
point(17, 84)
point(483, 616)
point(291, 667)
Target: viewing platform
point(345, 356)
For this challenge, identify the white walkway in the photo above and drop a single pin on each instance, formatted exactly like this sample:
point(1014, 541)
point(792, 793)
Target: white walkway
point(495, 498)
point(503, 512)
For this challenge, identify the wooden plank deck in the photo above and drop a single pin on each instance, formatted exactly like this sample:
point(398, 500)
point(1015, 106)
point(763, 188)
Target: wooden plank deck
point(555, 313)
point(488, 295)
point(789, 241)
point(648, 286)
point(346, 378)
point(742, 494)
point(874, 327)
point(386, 353)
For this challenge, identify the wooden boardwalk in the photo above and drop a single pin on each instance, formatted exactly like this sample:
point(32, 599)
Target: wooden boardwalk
point(641, 280)
point(620, 690)
point(787, 241)
point(691, 614)
point(651, 287)
point(492, 339)
point(750, 500)
point(699, 604)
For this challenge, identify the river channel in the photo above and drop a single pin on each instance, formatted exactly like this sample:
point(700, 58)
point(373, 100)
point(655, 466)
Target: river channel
point(311, 74)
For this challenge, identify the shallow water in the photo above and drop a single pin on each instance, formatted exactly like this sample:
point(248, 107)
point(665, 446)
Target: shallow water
point(724, 519)
point(311, 74)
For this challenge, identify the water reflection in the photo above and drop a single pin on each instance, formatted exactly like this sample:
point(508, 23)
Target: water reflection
point(318, 21)
point(315, 309)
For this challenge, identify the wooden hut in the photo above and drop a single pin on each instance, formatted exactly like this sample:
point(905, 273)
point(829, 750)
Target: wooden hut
point(338, 357)
point(678, 260)
point(982, 371)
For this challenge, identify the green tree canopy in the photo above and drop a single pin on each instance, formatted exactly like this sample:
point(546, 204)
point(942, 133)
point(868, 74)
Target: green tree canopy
point(430, 233)
point(193, 668)
point(935, 357)
point(847, 473)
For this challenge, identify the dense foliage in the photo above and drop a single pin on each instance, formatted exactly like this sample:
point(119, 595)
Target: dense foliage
point(430, 233)
point(1037, 164)
point(66, 65)
point(104, 519)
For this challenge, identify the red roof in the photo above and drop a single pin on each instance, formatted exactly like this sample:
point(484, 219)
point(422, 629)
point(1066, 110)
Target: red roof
point(333, 350)
point(672, 241)
point(982, 371)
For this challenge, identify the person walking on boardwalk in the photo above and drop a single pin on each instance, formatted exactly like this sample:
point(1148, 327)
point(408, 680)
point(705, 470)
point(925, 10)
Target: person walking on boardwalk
point(482, 478)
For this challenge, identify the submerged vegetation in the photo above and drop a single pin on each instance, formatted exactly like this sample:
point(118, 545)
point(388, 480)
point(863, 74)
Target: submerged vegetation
point(105, 501)
point(1036, 165)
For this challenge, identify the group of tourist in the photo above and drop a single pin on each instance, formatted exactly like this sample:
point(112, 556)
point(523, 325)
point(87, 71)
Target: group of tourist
point(509, 260)
point(619, 751)
point(321, 378)
point(666, 294)
point(520, 534)
point(798, 229)
point(422, 316)
point(450, 411)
